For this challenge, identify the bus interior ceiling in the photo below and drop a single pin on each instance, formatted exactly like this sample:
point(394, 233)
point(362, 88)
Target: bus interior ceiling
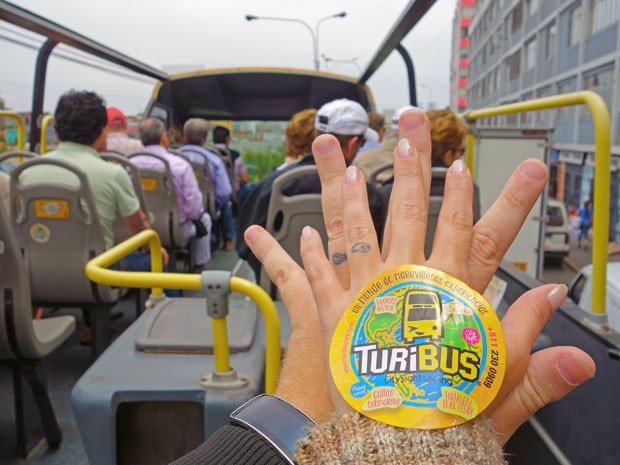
point(274, 94)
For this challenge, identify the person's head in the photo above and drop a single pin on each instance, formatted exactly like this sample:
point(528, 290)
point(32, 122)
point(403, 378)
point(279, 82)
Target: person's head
point(447, 136)
point(153, 132)
point(81, 117)
point(116, 120)
point(586, 203)
point(376, 121)
point(396, 116)
point(300, 133)
point(195, 131)
point(221, 135)
point(347, 121)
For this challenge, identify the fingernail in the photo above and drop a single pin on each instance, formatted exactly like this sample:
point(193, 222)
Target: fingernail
point(574, 371)
point(323, 146)
point(351, 175)
point(403, 149)
point(251, 234)
point(412, 120)
point(534, 170)
point(306, 232)
point(557, 295)
point(458, 167)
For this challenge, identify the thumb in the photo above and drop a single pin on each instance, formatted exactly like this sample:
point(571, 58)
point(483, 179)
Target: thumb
point(551, 374)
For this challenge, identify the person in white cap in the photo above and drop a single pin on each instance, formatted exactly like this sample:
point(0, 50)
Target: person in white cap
point(348, 122)
point(371, 159)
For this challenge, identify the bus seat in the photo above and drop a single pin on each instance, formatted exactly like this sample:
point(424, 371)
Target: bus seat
point(288, 215)
point(382, 172)
point(121, 232)
point(226, 156)
point(160, 196)
point(14, 155)
point(58, 230)
point(24, 342)
point(205, 180)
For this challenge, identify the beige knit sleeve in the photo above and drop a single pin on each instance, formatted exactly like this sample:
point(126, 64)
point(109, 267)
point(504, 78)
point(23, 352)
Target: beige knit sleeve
point(356, 439)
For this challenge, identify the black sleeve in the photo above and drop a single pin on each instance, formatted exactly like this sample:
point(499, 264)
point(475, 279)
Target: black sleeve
point(232, 445)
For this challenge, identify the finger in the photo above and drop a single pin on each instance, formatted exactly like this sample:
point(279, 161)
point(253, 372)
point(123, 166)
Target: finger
point(414, 125)
point(496, 230)
point(331, 166)
point(407, 210)
point(551, 374)
point(323, 282)
point(454, 230)
point(359, 232)
point(287, 275)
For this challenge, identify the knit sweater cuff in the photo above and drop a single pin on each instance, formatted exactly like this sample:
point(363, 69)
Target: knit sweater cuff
point(356, 439)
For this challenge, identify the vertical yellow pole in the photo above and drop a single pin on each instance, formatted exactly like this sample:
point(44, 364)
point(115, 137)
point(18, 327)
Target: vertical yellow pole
point(221, 351)
point(469, 152)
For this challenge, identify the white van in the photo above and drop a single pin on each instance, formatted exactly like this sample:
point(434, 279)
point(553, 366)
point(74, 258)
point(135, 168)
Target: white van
point(580, 291)
point(557, 240)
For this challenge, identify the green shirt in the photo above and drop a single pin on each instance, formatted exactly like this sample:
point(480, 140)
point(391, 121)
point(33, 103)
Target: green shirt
point(111, 185)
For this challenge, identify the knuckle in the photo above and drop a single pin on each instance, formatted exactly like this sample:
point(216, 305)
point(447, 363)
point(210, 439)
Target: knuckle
point(513, 201)
point(532, 397)
point(359, 232)
point(485, 247)
point(284, 273)
point(335, 227)
point(458, 220)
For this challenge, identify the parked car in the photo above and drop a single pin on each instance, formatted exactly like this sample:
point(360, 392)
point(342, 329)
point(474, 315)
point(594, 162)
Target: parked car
point(580, 291)
point(557, 240)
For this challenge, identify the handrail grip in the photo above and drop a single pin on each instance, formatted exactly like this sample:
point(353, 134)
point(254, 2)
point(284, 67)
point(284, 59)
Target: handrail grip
point(602, 177)
point(20, 126)
point(47, 119)
point(96, 270)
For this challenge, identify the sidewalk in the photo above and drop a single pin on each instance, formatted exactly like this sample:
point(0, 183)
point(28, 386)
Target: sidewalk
point(578, 258)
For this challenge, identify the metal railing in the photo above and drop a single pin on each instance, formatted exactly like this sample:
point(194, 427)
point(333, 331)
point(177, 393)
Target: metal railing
point(47, 119)
point(20, 126)
point(602, 178)
point(96, 270)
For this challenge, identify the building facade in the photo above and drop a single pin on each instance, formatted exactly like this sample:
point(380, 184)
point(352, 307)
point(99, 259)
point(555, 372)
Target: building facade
point(465, 10)
point(525, 49)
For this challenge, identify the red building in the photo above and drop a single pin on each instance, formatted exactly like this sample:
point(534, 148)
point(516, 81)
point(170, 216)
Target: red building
point(465, 10)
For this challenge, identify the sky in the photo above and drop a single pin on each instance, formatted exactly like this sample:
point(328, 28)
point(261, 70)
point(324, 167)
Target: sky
point(210, 34)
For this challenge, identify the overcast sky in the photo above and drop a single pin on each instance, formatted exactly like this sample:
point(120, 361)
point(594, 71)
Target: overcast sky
point(215, 34)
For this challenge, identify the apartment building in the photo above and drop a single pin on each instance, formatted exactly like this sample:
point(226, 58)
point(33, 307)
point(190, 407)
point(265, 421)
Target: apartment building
point(465, 10)
point(525, 49)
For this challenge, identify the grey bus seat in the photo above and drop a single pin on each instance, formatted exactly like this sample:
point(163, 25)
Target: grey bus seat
point(288, 215)
point(204, 178)
point(121, 232)
point(24, 342)
point(226, 156)
point(59, 231)
point(16, 154)
point(381, 173)
point(160, 195)
point(434, 207)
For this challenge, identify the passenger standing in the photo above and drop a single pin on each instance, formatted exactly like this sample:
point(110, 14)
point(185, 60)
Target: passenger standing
point(585, 214)
point(239, 179)
point(195, 132)
point(195, 223)
point(371, 159)
point(117, 139)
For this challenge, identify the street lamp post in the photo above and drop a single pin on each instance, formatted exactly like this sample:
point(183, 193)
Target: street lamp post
point(314, 33)
point(352, 61)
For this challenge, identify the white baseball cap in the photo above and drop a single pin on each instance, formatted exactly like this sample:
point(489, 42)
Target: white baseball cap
point(397, 113)
point(343, 117)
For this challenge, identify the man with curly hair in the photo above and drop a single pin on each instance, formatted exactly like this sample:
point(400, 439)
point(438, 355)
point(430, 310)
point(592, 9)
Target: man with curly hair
point(80, 120)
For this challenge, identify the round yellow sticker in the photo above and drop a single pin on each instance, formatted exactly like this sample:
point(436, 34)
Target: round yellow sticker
point(418, 348)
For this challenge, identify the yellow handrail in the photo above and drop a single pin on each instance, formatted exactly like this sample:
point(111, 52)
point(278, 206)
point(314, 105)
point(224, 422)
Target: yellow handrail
point(96, 270)
point(602, 177)
point(20, 126)
point(47, 119)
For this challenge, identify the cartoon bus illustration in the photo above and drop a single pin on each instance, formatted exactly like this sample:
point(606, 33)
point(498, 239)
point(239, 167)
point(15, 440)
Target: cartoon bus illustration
point(421, 315)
